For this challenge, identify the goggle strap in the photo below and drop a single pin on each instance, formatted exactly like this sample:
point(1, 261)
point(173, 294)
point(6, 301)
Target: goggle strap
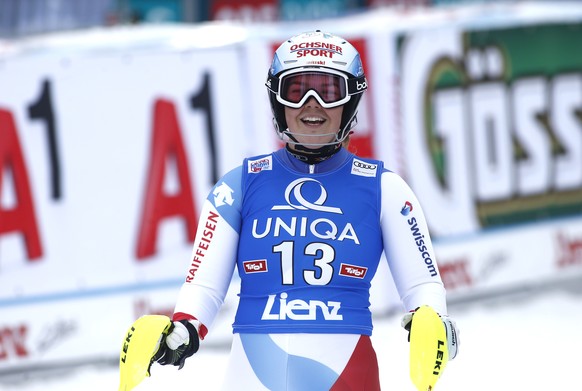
point(357, 85)
point(273, 83)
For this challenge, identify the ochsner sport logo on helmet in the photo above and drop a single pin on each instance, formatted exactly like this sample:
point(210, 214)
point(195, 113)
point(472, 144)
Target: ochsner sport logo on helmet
point(316, 48)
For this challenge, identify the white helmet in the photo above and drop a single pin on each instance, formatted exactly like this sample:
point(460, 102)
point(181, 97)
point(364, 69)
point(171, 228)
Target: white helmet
point(319, 60)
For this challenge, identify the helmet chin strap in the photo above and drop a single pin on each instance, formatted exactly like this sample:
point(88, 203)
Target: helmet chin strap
point(311, 155)
point(315, 155)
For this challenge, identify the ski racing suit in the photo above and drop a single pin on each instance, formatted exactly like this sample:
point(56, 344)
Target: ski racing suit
point(306, 240)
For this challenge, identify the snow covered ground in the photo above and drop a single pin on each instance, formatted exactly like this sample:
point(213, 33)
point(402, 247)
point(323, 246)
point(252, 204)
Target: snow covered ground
point(530, 342)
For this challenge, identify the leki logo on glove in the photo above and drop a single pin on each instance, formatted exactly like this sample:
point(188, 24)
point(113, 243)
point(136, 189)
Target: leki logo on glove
point(439, 358)
point(297, 201)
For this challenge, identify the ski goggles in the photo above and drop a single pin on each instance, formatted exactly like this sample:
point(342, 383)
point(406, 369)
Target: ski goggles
point(330, 88)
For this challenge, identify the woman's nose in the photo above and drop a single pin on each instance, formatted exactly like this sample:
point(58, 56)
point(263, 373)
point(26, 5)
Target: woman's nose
point(312, 102)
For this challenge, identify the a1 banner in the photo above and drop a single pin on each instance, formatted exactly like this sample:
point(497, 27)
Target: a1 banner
point(105, 155)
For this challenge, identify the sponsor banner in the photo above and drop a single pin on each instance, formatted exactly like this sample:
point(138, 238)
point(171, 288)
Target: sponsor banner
point(106, 152)
point(244, 10)
point(490, 123)
point(110, 140)
point(511, 259)
point(83, 327)
point(75, 327)
point(106, 157)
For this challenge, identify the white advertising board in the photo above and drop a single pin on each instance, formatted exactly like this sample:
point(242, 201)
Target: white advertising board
point(110, 140)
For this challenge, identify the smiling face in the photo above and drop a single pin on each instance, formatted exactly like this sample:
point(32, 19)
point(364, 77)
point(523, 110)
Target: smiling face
point(312, 125)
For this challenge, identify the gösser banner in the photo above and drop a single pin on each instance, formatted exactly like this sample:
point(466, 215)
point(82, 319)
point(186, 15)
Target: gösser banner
point(109, 140)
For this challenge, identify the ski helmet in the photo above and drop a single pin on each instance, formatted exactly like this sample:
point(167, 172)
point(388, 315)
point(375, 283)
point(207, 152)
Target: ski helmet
point(316, 60)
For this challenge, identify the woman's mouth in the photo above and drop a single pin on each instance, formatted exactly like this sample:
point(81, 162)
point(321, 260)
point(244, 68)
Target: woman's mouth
point(312, 121)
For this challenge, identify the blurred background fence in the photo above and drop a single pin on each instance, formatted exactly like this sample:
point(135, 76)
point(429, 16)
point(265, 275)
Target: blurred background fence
point(26, 17)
